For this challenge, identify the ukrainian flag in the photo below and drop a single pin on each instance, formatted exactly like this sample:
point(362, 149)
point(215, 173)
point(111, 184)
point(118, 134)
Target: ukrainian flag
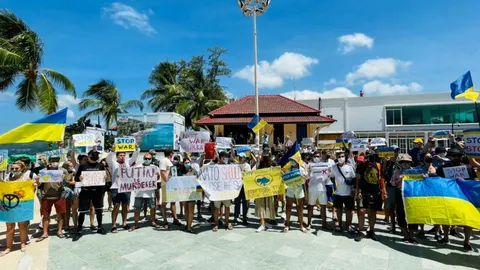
point(50, 128)
point(441, 134)
point(16, 201)
point(256, 124)
point(442, 201)
point(294, 151)
point(463, 87)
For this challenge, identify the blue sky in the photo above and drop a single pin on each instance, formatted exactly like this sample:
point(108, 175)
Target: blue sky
point(319, 47)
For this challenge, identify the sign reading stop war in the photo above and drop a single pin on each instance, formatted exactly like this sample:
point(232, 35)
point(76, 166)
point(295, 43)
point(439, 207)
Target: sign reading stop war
point(137, 179)
point(84, 140)
point(93, 178)
point(125, 144)
point(193, 141)
point(472, 142)
point(221, 182)
point(457, 172)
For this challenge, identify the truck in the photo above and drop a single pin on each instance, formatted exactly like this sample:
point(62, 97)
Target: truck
point(157, 131)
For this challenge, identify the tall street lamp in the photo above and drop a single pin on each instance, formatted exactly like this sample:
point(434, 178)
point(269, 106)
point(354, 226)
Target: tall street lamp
point(254, 8)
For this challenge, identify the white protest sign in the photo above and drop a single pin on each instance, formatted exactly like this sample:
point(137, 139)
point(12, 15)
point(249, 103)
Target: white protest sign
point(456, 172)
point(193, 141)
point(183, 189)
point(54, 153)
point(51, 176)
point(84, 140)
point(93, 178)
point(378, 142)
point(359, 145)
point(224, 142)
point(307, 141)
point(221, 182)
point(99, 138)
point(348, 135)
point(136, 179)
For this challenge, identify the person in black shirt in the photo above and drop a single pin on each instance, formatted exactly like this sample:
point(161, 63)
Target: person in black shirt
point(455, 156)
point(89, 195)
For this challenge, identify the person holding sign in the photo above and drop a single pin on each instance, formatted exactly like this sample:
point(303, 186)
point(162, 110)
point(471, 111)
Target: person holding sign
point(89, 194)
point(120, 199)
point(165, 173)
point(294, 194)
point(241, 200)
point(17, 175)
point(319, 173)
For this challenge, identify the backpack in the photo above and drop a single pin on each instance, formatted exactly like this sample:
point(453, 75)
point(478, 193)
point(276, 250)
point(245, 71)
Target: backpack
point(372, 175)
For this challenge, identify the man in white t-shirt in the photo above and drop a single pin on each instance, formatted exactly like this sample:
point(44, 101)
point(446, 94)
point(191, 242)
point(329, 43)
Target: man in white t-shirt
point(241, 199)
point(165, 174)
point(319, 174)
point(344, 176)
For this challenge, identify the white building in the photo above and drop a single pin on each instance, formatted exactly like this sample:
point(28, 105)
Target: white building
point(399, 118)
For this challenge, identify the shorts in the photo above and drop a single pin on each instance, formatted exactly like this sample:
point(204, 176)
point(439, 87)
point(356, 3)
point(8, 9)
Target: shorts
point(108, 186)
point(120, 198)
point(346, 202)
point(140, 202)
point(372, 201)
point(90, 197)
point(391, 197)
point(321, 196)
point(296, 192)
point(226, 203)
point(46, 207)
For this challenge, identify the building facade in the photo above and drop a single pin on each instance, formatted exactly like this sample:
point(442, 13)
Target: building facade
point(398, 118)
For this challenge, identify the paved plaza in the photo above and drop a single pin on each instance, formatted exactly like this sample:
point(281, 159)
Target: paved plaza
point(241, 248)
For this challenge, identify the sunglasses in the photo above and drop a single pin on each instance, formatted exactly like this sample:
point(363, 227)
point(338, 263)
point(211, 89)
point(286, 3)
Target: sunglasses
point(318, 156)
point(147, 159)
point(15, 169)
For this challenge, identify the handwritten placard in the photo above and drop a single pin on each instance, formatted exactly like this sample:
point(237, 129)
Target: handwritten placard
point(472, 142)
point(54, 153)
point(135, 179)
point(359, 145)
point(51, 176)
point(3, 160)
point(378, 142)
point(221, 182)
point(125, 144)
point(93, 178)
point(263, 183)
point(307, 141)
point(193, 141)
point(293, 178)
point(183, 189)
point(223, 142)
point(456, 172)
point(348, 135)
point(84, 140)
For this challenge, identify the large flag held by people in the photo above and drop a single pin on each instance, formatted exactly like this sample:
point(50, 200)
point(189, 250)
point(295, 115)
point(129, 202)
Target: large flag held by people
point(294, 152)
point(463, 87)
point(442, 201)
point(50, 128)
point(257, 123)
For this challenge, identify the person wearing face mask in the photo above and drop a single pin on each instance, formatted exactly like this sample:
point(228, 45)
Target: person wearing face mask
point(389, 167)
point(166, 166)
point(319, 173)
point(440, 157)
point(189, 205)
point(344, 175)
point(89, 195)
point(416, 151)
point(455, 156)
point(241, 199)
point(69, 182)
point(294, 194)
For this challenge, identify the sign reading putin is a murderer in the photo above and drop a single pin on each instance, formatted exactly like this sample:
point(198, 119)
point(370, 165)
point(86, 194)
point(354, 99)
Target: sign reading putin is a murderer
point(137, 179)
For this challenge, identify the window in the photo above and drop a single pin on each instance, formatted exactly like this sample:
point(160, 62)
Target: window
point(330, 115)
point(394, 116)
point(431, 114)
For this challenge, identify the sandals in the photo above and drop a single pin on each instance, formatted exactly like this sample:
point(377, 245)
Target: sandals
point(286, 229)
point(338, 229)
point(132, 229)
point(228, 227)
point(192, 231)
point(61, 236)
point(41, 238)
point(215, 229)
point(126, 227)
point(177, 223)
point(156, 226)
point(114, 230)
point(165, 225)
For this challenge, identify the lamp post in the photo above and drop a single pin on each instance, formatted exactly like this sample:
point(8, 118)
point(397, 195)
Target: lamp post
point(254, 8)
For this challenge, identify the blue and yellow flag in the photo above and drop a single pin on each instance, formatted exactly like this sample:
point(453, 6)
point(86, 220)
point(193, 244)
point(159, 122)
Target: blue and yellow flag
point(463, 87)
point(16, 203)
point(442, 201)
point(256, 124)
point(441, 134)
point(50, 128)
point(293, 152)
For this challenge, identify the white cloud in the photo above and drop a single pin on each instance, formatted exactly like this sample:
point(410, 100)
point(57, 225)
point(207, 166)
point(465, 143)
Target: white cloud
point(349, 43)
point(128, 17)
point(330, 81)
point(377, 68)
point(287, 66)
point(6, 96)
point(338, 92)
point(67, 101)
point(377, 87)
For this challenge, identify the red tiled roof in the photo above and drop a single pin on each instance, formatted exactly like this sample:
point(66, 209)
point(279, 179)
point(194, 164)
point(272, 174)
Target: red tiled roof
point(267, 104)
point(269, 119)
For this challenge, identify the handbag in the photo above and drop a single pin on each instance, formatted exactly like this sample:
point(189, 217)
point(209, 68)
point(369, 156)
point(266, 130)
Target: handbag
point(348, 181)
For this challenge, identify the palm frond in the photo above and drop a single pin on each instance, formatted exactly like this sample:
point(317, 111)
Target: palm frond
point(89, 103)
point(11, 25)
point(8, 58)
point(132, 104)
point(47, 95)
point(95, 112)
point(61, 80)
point(26, 95)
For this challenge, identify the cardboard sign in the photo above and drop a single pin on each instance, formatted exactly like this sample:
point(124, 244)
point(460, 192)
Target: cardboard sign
point(441, 134)
point(386, 152)
point(293, 178)
point(456, 172)
point(54, 153)
point(84, 140)
point(193, 141)
point(183, 189)
point(348, 135)
point(125, 144)
point(3, 160)
point(224, 142)
point(360, 145)
point(263, 183)
point(17, 201)
point(307, 141)
point(51, 176)
point(221, 182)
point(472, 142)
point(93, 178)
point(135, 179)
point(413, 174)
point(378, 142)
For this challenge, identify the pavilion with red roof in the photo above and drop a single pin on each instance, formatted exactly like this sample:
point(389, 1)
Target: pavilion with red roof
point(286, 116)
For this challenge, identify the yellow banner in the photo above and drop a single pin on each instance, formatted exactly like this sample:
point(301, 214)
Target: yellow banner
point(412, 177)
point(386, 154)
point(263, 183)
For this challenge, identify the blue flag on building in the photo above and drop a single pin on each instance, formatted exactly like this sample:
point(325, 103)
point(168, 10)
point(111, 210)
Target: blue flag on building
point(463, 87)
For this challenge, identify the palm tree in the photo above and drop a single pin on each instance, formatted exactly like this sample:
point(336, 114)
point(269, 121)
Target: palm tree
point(106, 101)
point(21, 52)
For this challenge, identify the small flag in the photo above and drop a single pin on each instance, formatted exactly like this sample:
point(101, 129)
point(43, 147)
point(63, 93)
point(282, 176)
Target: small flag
point(463, 87)
point(50, 128)
point(292, 152)
point(256, 124)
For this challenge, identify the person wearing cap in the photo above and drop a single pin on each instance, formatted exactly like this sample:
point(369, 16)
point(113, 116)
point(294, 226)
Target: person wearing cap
point(389, 167)
point(241, 200)
point(416, 151)
point(440, 157)
point(455, 156)
point(296, 194)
